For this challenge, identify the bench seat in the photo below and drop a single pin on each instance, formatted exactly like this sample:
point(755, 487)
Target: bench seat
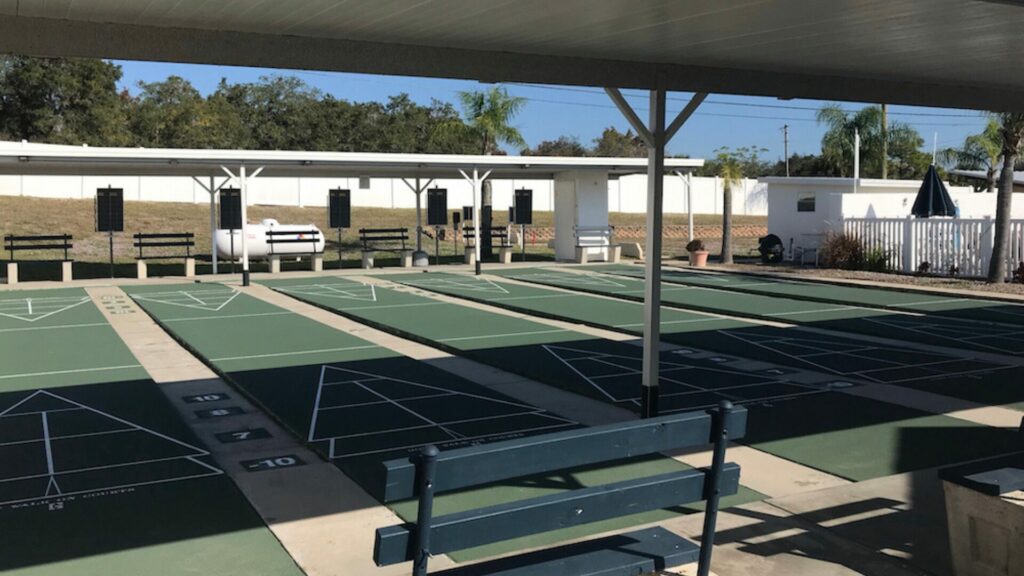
point(640, 552)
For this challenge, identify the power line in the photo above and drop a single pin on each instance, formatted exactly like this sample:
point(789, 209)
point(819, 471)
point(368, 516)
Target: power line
point(746, 104)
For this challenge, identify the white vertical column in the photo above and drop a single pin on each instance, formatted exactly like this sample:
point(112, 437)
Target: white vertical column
point(213, 222)
point(477, 190)
point(244, 192)
point(652, 264)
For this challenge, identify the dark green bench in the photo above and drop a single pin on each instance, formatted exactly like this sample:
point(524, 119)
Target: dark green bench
point(430, 472)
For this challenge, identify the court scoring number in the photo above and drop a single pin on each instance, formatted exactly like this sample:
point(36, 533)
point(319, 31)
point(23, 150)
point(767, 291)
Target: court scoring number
point(273, 463)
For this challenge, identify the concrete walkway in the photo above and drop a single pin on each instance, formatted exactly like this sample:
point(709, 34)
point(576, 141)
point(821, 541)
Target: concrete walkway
point(323, 519)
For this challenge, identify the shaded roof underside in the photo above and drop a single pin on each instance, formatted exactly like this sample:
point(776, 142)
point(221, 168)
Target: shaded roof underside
point(957, 53)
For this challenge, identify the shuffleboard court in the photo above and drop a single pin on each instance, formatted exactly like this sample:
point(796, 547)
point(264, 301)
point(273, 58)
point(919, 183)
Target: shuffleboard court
point(933, 330)
point(353, 401)
point(977, 309)
point(870, 439)
point(602, 369)
point(979, 380)
point(106, 479)
point(370, 404)
point(59, 338)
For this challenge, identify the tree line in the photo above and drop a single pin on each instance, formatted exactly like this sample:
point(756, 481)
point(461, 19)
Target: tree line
point(77, 101)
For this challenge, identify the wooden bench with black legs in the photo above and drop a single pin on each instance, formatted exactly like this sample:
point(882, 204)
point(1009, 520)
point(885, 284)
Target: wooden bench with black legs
point(499, 240)
point(431, 472)
point(309, 238)
point(47, 242)
point(164, 241)
point(385, 240)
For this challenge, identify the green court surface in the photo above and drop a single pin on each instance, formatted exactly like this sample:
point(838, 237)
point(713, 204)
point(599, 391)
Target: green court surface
point(891, 299)
point(602, 369)
point(983, 381)
point(105, 479)
point(58, 337)
point(358, 404)
point(793, 437)
point(933, 330)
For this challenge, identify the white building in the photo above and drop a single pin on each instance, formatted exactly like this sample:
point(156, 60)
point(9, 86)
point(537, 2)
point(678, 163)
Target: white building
point(801, 211)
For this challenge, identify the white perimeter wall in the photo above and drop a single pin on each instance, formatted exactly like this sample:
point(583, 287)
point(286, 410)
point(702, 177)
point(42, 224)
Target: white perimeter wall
point(626, 194)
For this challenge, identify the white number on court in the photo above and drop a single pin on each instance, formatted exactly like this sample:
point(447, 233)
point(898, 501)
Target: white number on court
point(272, 463)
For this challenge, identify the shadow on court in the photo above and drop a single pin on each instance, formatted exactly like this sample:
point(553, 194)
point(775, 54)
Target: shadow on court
point(901, 517)
point(105, 478)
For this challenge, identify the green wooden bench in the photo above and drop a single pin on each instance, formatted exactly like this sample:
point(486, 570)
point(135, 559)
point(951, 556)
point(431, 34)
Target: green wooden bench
point(430, 472)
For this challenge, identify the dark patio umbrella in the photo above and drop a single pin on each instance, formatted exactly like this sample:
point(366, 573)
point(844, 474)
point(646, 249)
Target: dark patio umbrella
point(933, 198)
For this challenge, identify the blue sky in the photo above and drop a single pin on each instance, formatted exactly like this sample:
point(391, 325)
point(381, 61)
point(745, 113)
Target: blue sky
point(552, 111)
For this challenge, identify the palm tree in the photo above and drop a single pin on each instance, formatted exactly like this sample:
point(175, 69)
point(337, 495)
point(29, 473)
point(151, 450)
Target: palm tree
point(1012, 132)
point(979, 152)
point(877, 138)
point(730, 170)
point(490, 114)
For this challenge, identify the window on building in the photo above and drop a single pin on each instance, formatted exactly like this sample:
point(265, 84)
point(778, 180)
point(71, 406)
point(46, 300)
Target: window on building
point(805, 203)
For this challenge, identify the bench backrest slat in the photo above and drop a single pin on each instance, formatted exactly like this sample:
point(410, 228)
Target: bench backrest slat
point(555, 511)
point(160, 235)
point(39, 247)
point(12, 238)
point(486, 463)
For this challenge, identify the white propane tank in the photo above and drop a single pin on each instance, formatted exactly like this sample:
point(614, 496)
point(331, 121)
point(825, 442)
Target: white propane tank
point(256, 238)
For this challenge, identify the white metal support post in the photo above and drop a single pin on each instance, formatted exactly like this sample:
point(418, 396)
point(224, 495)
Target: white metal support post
point(655, 135)
point(213, 189)
point(243, 187)
point(477, 180)
point(418, 191)
point(688, 182)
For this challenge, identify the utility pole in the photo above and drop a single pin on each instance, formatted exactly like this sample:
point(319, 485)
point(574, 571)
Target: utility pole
point(785, 146)
point(885, 141)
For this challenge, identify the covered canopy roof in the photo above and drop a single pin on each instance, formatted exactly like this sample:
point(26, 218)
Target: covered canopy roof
point(961, 53)
point(25, 158)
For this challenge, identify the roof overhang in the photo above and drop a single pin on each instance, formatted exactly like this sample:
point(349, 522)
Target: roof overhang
point(1018, 177)
point(48, 159)
point(956, 53)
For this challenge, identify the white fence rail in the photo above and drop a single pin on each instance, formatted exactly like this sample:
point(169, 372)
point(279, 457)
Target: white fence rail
point(965, 243)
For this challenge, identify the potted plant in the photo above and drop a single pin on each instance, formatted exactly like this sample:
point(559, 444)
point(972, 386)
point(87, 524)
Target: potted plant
point(698, 253)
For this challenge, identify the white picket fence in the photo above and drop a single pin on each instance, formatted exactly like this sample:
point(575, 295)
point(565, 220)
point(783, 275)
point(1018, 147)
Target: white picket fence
point(941, 242)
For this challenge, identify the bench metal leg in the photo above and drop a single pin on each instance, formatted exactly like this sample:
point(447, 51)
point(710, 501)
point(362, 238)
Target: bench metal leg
point(426, 467)
point(141, 270)
point(720, 434)
point(12, 272)
point(65, 271)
